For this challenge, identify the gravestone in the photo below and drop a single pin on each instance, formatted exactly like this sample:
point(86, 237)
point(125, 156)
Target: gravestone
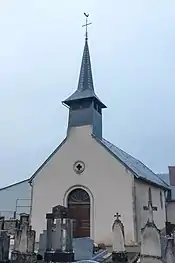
point(24, 242)
point(57, 244)
point(163, 240)
point(2, 222)
point(42, 243)
point(83, 248)
point(169, 255)
point(10, 226)
point(150, 239)
point(31, 234)
point(119, 252)
point(58, 236)
point(4, 246)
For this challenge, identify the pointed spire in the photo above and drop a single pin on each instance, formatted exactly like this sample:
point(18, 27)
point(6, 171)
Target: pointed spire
point(85, 78)
point(85, 87)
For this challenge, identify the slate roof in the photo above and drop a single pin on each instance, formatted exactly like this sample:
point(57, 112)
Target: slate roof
point(166, 178)
point(85, 87)
point(85, 90)
point(11, 185)
point(140, 170)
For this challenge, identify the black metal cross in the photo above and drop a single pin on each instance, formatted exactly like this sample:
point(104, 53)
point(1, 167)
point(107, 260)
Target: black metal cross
point(79, 167)
point(87, 24)
point(150, 208)
point(117, 215)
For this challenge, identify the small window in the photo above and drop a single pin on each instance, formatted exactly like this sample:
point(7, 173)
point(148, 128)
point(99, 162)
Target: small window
point(161, 200)
point(99, 110)
point(81, 105)
point(168, 195)
point(97, 107)
point(75, 107)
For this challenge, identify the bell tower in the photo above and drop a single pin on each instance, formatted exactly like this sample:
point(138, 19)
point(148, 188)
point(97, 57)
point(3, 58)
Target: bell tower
point(85, 108)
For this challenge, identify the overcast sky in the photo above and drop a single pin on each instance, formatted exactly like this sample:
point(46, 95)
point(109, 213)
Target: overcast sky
point(133, 61)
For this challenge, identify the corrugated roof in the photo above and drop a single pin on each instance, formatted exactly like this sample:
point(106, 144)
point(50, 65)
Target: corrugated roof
point(140, 170)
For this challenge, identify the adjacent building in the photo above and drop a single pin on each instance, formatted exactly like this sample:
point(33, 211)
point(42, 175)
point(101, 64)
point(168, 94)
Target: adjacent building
point(15, 199)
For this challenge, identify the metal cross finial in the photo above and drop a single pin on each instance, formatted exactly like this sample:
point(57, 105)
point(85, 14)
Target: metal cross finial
point(117, 215)
point(86, 25)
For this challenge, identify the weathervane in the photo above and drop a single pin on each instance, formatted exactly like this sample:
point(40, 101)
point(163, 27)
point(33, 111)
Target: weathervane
point(86, 25)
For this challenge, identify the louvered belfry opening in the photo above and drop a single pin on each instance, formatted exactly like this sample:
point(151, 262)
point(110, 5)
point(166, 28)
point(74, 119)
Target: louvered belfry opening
point(79, 209)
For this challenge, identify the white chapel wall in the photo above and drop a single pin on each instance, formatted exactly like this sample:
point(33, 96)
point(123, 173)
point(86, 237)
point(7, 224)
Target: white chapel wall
point(11, 199)
point(142, 190)
point(104, 176)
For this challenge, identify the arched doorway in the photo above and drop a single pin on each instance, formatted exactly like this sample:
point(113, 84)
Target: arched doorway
point(78, 202)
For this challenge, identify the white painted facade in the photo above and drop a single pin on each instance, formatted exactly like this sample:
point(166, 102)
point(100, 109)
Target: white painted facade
point(112, 188)
point(16, 197)
point(104, 178)
point(158, 200)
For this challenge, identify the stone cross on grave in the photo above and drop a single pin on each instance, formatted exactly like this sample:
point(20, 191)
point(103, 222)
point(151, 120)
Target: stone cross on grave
point(117, 216)
point(150, 208)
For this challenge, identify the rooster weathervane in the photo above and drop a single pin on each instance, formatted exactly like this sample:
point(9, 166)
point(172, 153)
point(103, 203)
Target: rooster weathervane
point(86, 25)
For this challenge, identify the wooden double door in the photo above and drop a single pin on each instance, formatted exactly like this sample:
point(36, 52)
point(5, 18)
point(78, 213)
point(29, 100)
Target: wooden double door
point(79, 210)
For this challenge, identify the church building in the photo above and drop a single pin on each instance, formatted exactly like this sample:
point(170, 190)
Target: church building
point(93, 177)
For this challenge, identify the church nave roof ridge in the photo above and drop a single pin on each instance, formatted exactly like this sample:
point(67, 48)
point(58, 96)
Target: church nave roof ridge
point(140, 170)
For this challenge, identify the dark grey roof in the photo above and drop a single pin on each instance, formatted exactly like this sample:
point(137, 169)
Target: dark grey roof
point(166, 178)
point(140, 170)
point(85, 88)
point(11, 185)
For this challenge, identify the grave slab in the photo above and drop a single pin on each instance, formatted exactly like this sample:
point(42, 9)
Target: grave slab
point(83, 248)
